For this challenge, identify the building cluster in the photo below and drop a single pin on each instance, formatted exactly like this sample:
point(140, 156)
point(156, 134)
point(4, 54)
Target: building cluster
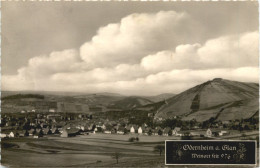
point(73, 124)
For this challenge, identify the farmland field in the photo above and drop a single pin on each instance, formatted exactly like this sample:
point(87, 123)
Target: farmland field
point(95, 150)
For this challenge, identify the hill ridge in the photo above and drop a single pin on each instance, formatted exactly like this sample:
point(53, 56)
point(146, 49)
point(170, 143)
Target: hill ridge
point(209, 96)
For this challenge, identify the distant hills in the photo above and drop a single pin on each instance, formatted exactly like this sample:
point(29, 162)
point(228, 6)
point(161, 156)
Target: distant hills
point(15, 101)
point(131, 102)
point(219, 98)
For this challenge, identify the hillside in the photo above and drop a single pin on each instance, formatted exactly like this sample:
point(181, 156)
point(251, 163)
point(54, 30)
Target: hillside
point(130, 103)
point(220, 98)
point(160, 97)
point(98, 99)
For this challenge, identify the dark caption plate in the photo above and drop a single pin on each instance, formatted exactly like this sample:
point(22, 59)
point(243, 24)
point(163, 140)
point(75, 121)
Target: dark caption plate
point(187, 152)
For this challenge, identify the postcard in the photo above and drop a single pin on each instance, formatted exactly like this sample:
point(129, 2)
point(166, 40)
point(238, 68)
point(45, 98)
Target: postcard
point(129, 84)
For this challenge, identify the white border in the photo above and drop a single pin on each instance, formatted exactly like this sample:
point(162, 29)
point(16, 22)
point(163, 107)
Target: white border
point(217, 141)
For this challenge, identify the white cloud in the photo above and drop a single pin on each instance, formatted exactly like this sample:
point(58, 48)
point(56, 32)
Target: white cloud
point(136, 56)
point(135, 36)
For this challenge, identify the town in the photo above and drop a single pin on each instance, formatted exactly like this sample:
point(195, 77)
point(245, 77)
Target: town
point(36, 125)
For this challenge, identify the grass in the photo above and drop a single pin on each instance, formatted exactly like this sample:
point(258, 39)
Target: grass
point(83, 151)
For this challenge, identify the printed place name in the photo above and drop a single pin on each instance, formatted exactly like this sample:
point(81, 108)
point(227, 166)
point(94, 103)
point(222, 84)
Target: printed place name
point(210, 152)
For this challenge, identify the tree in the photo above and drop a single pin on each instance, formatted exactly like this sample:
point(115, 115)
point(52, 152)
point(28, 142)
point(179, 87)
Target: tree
point(159, 148)
point(125, 131)
point(41, 133)
point(26, 133)
point(160, 132)
point(170, 132)
point(117, 156)
point(34, 132)
point(49, 132)
point(240, 128)
point(150, 132)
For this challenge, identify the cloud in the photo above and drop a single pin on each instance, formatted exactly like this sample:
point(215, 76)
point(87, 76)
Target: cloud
point(231, 51)
point(137, 56)
point(135, 36)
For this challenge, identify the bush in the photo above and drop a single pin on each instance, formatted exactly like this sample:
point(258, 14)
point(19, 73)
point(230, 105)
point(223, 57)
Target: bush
point(159, 148)
point(137, 139)
point(132, 139)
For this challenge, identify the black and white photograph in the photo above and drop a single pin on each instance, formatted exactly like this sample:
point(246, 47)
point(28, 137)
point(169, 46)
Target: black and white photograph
point(129, 84)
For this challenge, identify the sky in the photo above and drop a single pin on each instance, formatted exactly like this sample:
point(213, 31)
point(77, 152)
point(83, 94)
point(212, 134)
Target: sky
point(131, 48)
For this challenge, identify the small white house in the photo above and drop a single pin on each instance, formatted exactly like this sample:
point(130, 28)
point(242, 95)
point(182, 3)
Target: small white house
point(132, 129)
point(221, 133)
point(120, 132)
point(64, 134)
point(103, 127)
point(175, 131)
point(3, 135)
point(11, 135)
point(208, 133)
point(140, 130)
point(107, 132)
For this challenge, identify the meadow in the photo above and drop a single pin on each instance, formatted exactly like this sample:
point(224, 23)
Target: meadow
point(94, 150)
point(82, 151)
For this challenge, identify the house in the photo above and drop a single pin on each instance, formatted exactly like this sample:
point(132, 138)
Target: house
point(46, 131)
point(11, 135)
point(108, 129)
point(86, 127)
point(140, 130)
point(103, 127)
point(226, 122)
point(222, 133)
point(208, 133)
point(38, 134)
point(32, 132)
point(146, 130)
point(132, 130)
point(3, 135)
point(121, 130)
point(128, 128)
point(176, 131)
point(69, 133)
point(195, 127)
point(26, 133)
point(158, 131)
point(150, 114)
point(195, 133)
point(55, 131)
point(247, 126)
point(113, 131)
point(52, 110)
point(53, 116)
point(107, 132)
point(167, 131)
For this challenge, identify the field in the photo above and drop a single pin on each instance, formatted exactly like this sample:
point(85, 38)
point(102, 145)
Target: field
point(95, 150)
point(91, 150)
